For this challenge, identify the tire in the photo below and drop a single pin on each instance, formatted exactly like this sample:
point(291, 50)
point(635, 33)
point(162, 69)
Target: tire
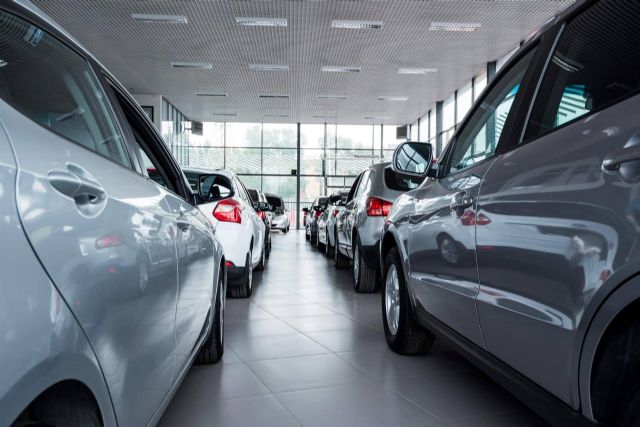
point(246, 287)
point(65, 405)
point(306, 235)
point(329, 250)
point(286, 230)
point(319, 244)
point(268, 247)
point(404, 335)
point(365, 278)
point(213, 348)
point(263, 260)
point(339, 261)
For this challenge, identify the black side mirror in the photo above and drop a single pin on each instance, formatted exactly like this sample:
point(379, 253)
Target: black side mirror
point(413, 158)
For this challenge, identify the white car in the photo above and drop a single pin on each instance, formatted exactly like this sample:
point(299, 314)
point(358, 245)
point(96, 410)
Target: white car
point(225, 201)
point(280, 219)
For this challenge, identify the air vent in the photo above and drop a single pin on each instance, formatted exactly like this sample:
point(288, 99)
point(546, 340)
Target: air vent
point(393, 98)
point(340, 69)
point(159, 19)
point(332, 97)
point(261, 22)
point(274, 96)
point(454, 26)
point(268, 67)
point(212, 94)
point(356, 25)
point(193, 65)
point(407, 70)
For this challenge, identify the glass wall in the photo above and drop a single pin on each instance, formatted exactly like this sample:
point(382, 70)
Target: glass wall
point(174, 131)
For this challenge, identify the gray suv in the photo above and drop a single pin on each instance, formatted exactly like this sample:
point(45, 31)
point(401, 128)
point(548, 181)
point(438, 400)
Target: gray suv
point(359, 224)
point(113, 283)
point(522, 246)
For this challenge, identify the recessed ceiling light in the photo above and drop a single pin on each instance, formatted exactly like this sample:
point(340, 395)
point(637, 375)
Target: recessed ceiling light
point(393, 98)
point(225, 114)
point(331, 97)
point(408, 70)
point(197, 65)
point(159, 19)
point(261, 22)
point(212, 94)
point(324, 116)
point(268, 67)
point(277, 115)
point(340, 69)
point(356, 25)
point(454, 26)
point(274, 96)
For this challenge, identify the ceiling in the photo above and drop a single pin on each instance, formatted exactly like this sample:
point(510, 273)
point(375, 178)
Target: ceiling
point(140, 54)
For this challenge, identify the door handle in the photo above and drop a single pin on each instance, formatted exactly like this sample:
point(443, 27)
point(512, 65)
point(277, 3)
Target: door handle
point(612, 163)
point(461, 201)
point(78, 184)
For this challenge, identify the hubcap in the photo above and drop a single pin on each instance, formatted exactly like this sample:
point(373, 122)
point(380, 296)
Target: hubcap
point(392, 299)
point(356, 263)
point(449, 251)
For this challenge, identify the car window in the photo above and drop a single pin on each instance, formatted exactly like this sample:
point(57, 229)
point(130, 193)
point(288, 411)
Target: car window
point(275, 202)
point(54, 86)
point(255, 197)
point(400, 182)
point(479, 137)
point(364, 182)
point(354, 187)
point(594, 65)
point(215, 187)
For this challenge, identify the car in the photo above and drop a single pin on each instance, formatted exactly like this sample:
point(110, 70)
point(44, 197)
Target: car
point(327, 222)
point(537, 191)
point(280, 219)
point(264, 210)
point(113, 284)
point(224, 199)
point(311, 218)
point(359, 223)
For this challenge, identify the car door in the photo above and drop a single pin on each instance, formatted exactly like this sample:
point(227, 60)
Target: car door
point(249, 214)
point(90, 218)
point(441, 232)
point(355, 208)
point(563, 202)
point(193, 243)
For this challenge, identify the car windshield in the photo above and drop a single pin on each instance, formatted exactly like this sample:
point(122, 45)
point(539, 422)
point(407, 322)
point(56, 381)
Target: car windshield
point(276, 202)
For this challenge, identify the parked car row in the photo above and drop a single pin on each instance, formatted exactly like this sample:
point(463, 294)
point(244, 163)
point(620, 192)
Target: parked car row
point(521, 246)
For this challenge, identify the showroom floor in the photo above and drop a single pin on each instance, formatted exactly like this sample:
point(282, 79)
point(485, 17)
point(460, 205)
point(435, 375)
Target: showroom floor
point(305, 349)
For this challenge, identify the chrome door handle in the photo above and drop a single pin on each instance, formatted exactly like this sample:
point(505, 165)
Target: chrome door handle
point(461, 201)
point(76, 183)
point(612, 163)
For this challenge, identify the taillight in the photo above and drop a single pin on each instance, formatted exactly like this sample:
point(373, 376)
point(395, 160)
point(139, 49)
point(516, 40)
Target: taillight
point(261, 215)
point(378, 207)
point(109, 241)
point(318, 213)
point(336, 212)
point(482, 219)
point(468, 218)
point(229, 264)
point(228, 210)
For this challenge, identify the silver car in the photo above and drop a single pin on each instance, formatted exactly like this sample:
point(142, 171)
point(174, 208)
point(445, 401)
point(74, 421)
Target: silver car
point(522, 247)
point(113, 283)
point(359, 225)
point(327, 222)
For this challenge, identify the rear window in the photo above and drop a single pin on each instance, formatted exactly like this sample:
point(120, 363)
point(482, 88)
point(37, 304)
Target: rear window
point(215, 187)
point(397, 182)
point(276, 202)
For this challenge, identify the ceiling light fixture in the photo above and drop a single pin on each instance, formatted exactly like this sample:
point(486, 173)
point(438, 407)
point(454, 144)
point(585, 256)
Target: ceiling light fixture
point(196, 65)
point(393, 98)
point(277, 115)
point(323, 116)
point(356, 25)
point(261, 22)
point(225, 114)
point(159, 19)
point(340, 69)
point(376, 117)
point(331, 97)
point(454, 26)
point(268, 67)
point(408, 70)
point(274, 96)
point(212, 94)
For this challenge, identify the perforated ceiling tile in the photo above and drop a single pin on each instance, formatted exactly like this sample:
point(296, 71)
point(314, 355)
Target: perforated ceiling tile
point(140, 53)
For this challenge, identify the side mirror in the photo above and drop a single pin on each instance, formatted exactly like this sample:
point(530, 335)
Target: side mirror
point(264, 206)
point(412, 158)
point(305, 210)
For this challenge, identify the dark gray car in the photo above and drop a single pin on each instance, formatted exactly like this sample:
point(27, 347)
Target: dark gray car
point(359, 224)
point(112, 280)
point(522, 247)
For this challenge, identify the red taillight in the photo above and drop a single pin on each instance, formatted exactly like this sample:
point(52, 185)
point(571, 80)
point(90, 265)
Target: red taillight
point(336, 212)
point(261, 215)
point(378, 207)
point(109, 241)
point(470, 218)
point(482, 219)
point(228, 210)
point(229, 264)
point(318, 213)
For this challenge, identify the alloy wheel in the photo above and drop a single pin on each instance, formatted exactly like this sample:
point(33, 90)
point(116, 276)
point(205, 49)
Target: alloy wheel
point(392, 300)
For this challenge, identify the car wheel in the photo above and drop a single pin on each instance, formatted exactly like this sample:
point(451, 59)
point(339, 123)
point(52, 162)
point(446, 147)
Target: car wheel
point(365, 278)
point(319, 244)
point(329, 250)
point(339, 261)
point(263, 259)
point(307, 235)
point(286, 230)
point(246, 286)
point(450, 250)
point(213, 347)
point(268, 247)
point(55, 408)
point(403, 334)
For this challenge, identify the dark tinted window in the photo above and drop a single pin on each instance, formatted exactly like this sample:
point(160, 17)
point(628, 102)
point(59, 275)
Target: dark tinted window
point(399, 182)
point(52, 85)
point(193, 180)
point(276, 202)
point(255, 198)
point(595, 64)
